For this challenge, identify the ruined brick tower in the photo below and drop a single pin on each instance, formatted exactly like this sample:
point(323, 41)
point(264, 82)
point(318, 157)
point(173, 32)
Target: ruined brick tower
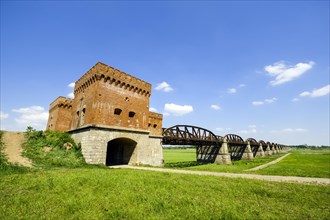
point(110, 117)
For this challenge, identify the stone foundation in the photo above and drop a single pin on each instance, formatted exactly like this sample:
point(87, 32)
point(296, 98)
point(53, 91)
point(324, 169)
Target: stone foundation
point(94, 140)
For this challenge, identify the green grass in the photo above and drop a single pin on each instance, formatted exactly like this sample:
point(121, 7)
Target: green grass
point(305, 163)
point(60, 189)
point(179, 155)
point(302, 162)
point(131, 194)
point(184, 158)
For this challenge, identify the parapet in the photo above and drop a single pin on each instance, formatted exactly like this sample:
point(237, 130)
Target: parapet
point(155, 115)
point(108, 74)
point(61, 102)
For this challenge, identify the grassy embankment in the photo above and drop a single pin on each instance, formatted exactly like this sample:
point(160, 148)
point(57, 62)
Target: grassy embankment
point(91, 192)
point(305, 163)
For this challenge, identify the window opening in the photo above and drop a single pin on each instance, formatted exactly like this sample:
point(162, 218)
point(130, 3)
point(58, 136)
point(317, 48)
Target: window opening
point(117, 111)
point(131, 114)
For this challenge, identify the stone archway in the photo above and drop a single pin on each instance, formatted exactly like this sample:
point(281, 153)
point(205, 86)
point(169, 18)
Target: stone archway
point(120, 151)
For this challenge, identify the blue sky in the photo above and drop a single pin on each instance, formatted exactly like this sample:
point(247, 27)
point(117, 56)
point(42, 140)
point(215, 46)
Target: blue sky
point(252, 68)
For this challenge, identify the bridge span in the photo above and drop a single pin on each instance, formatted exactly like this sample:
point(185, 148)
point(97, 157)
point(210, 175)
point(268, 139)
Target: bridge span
point(212, 148)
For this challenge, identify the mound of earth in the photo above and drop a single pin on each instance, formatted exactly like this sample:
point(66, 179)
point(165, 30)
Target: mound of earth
point(13, 148)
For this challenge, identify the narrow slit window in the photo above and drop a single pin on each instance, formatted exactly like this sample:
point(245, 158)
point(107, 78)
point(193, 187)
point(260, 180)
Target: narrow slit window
point(118, 111)
point(155, 125)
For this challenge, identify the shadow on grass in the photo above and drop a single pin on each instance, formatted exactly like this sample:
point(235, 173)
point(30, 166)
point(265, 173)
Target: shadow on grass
point(183, 164)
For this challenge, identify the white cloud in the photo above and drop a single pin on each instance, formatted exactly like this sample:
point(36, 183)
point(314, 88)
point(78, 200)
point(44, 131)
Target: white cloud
point(70, 95)
point(166, 114)
point(252, 130)
point(152, 109)
point(284, 73)
point(257, 103)
point(3, 115)
point(270, 100)
point(30, 110)
point(34, 116)
point(266, 101)
point(289, 130)
point(178, 110)
point(223, 129)
point(231, 90)
point(235, 89)
point(295, 100)
point(295, 130)
point(164, 86)
point(215, 107)
point(316, 92)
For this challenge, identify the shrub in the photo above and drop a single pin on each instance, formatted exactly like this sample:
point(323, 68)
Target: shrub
point(48, 149)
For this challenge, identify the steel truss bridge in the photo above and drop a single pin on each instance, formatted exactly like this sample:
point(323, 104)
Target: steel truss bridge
point(209, 146)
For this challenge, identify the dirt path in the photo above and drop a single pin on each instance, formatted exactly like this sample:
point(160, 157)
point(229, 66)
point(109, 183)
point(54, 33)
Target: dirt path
point(268, 164)
point(13, 148)
point(293, 179)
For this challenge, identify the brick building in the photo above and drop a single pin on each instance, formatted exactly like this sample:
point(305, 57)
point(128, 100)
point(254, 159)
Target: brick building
point(110, 117)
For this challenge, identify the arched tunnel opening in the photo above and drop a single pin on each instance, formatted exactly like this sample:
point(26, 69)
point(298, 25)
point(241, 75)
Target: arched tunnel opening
point(120, 151)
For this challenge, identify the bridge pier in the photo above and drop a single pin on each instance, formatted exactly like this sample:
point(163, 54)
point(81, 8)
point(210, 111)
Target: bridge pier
point(247, 155)
point(223, 156)
point(273, 149)
point(260, 152)
point(268, 152)
point(278, 149)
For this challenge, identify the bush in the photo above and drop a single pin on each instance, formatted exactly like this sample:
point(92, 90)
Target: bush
point(51, 148)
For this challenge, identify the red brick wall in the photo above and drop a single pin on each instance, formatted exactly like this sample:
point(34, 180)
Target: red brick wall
point(60, 114)
point(106, 96)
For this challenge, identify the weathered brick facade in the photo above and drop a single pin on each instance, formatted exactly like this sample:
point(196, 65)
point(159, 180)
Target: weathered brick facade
point(60, 114)
point(106, 97)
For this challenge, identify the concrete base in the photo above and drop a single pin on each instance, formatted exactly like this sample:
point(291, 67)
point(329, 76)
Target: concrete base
point(223, 156)
point(260, 152)
point(95, 139)
point(268, 152)
point(247, 155)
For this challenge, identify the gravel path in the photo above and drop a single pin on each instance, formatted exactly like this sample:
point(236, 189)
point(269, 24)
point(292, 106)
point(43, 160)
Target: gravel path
point(270, 163)
point(292, 179)
point(13, 148)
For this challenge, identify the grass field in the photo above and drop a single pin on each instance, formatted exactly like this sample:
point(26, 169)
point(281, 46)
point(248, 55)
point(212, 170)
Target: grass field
point(60, 189)
point(179, 155)
point(305, 163)
point(102, 193)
